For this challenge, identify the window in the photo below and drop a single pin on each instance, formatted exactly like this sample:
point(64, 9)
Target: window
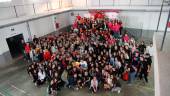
point(5, 0)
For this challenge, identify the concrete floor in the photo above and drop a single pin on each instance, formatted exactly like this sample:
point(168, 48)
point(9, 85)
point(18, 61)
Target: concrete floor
point(14, 81)
point(163, 63)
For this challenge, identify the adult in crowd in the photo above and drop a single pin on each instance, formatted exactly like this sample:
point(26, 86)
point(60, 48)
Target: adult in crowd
point(92, 54)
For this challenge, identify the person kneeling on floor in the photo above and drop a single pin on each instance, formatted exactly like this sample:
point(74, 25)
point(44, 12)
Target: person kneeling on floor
point(41, 77)
point(53, 87)
point(116, 85)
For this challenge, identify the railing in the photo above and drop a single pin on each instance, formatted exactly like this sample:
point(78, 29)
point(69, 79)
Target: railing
point(37, 8)
point(30, 9)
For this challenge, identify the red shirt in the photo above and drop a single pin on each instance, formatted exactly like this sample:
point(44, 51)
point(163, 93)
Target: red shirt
point(47, 55)
point(126, 38)
point(27, 48)
point(116, 28)
point(110, 25)
point(75, 25)
point(78, 17)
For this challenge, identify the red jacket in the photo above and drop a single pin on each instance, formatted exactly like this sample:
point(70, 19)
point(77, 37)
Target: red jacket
point(47, 55)
point(27, 48)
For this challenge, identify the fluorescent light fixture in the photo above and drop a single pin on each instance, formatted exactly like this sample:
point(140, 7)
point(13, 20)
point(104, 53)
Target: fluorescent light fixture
point(5, 0)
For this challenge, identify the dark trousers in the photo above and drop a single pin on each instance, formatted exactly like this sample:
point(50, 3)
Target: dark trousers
point(40, 82)
point(144, 74)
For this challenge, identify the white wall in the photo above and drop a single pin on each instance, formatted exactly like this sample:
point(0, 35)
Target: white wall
point(79, 3)
point(115, 2)
point(39, 27)
point(123, 2)
point(136, 19)
point(62, 19)
point(46, 25)
point(6, 33)
point(143, 20)
point(41, 6)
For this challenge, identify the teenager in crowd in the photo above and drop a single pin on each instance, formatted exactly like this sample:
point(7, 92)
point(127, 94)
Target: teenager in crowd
point(92, 54)
point(94, 85)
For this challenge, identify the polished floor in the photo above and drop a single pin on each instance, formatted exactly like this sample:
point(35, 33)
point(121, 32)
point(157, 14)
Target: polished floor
point(14, 81)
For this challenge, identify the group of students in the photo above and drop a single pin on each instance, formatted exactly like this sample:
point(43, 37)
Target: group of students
point(91, 55)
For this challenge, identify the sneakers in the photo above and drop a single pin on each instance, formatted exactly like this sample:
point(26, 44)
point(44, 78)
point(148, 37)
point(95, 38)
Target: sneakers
point(118, 91)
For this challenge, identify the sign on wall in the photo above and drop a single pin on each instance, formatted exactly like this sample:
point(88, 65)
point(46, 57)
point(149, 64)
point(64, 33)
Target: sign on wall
point(169, 24)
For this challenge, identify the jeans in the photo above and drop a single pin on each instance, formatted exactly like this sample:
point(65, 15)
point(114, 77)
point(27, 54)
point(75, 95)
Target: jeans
point(132, 77)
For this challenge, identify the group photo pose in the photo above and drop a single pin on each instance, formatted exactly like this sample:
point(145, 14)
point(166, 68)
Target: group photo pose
point(95, 54)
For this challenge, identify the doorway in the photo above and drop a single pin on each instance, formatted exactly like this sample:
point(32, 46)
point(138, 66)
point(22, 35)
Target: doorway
point(15, 45)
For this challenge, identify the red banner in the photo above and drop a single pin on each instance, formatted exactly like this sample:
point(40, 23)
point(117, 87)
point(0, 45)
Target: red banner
point(168, 24)
point(108, 10)
point(57, 25)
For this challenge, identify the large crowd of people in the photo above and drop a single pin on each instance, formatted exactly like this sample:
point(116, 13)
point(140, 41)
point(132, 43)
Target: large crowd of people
point(94, 54)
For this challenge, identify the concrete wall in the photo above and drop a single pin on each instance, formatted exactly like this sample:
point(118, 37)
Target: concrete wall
point(115, 2)
point(39, 27)
point(41, 6)
point(146, 20)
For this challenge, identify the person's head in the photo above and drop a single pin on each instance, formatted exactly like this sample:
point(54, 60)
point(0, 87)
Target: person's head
point(41, 71)
point(86, 73)
point(126, 34)
point(35, 71)
point(56, 74)
point(142, 43)
point(151, 44)
point(75, 75)
point(74, 68)
point(94, 78)
point(141, 58)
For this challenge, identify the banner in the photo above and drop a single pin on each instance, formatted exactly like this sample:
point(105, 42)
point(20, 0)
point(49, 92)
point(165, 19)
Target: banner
point(168, 24)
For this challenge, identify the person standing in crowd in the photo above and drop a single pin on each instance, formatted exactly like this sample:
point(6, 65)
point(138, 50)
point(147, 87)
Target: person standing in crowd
point(142, 47)
point(150, 49)
point(132, 73)
point(95, 55)
point(144, 69)
point(27, 51)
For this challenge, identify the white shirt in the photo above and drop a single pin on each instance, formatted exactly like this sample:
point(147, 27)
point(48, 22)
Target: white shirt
point(109, 81)
point(41, 75)
point(53, 49)
point(94, 83)
point(83, 64)
point(150, 50)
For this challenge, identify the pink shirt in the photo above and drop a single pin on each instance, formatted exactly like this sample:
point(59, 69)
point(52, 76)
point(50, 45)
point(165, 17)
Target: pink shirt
point(113, 27)
point(111, 41)
point(116, 28)
point(110, 25)
point(75, 25)
point(126, 38)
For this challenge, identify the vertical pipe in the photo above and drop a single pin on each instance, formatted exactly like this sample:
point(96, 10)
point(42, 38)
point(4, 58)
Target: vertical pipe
point(148, 2)
point(71, 5)
point(34, 8)
point(86, 3)
point(160, 15)
point(130, 2)
point(47, 7)
point(61, 3)
point(29, 31)
point(99, 3)
point(15, 11)
point(165, 31)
